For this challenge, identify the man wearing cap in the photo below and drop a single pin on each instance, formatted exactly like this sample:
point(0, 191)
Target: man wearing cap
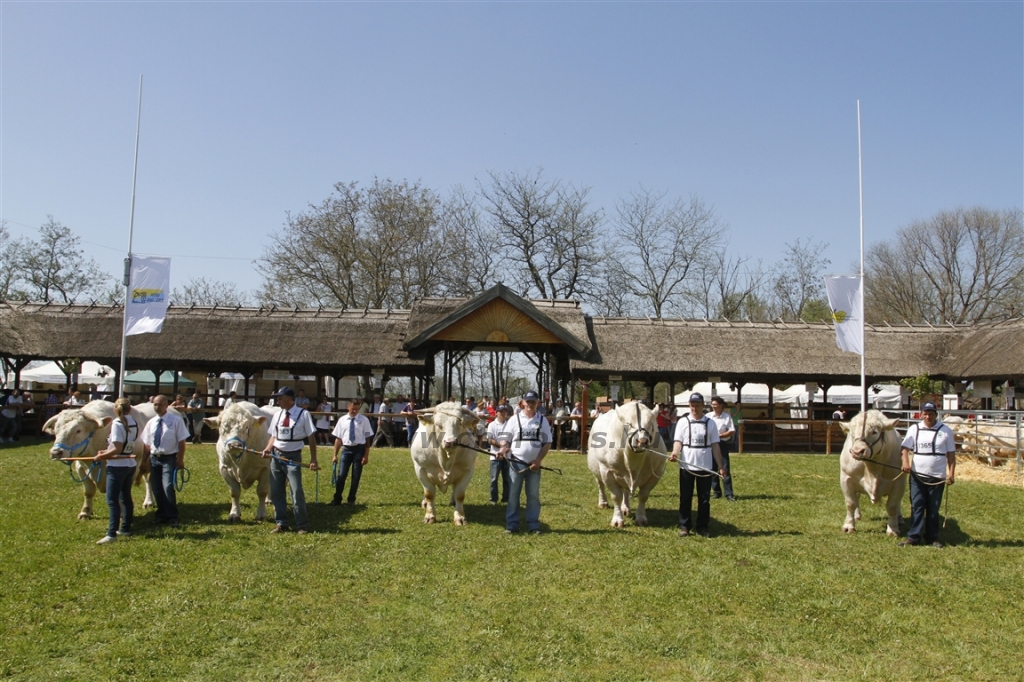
point(289, 429)
point(352, 435)
point(529, 439)
point(695, 444)
point(929, 456)
point(164, 441)
point(497, 431)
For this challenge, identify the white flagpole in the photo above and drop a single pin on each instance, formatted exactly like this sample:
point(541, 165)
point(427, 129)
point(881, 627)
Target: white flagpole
point(864, 341)
point(128, 260)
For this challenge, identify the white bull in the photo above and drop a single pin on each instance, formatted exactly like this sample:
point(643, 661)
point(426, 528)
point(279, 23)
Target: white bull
point(439, 457)
point(83, 433)
point(618, 456)
point(870, 465)
point(243, 424)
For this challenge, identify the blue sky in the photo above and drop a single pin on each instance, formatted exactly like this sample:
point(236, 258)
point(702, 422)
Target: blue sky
point(252, 110)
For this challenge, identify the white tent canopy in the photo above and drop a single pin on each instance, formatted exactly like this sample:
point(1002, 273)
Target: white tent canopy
point(89, 373)
point(881, 396)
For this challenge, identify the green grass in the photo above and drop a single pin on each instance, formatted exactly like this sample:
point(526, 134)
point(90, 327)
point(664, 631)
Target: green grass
point(780, 593)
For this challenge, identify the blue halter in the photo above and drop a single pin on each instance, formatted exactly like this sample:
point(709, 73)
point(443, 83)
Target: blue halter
point(78, 447)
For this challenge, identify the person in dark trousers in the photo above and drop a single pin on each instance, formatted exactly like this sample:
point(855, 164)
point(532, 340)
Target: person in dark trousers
point(726, 431)
point(929, 456)
point(695, 445)
point(352, 436)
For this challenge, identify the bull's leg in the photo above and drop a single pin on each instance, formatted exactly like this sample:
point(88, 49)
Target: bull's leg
point(641, 504)
point(89, 487)
point(459, 493)
point(852, 504)
point(626, 492)
point(230, 477)
point(602, 499)
point(617, 504)
point(428, 504)
point(142, 476)
point(893, 503)
point(262, 494)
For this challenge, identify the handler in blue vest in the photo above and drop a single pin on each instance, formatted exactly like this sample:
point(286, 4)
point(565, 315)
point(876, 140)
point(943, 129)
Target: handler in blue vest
point(929, 456)
point(289, 429)
point(694, 445)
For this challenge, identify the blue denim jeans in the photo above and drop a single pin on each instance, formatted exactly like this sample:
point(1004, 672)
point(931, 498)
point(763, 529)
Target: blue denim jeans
point(350, 458)
point(279, 474)
point(119, 499)
point(531, 480)
point(161, 479)
point(925, 502)
point(499, 468)
point(726, 483)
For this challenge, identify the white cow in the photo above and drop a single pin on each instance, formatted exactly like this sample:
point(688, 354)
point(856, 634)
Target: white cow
point(996, 442)
point(83, 433)
point(870, 465)
point(439, 457)
point(242, 423)
point(618, 456)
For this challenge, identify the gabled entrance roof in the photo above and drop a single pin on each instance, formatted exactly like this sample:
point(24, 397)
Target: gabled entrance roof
point(500, 317)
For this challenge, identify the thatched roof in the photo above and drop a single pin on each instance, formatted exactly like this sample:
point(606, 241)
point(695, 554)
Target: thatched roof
point(333, 342)
point(346, 342)
point(779, 352)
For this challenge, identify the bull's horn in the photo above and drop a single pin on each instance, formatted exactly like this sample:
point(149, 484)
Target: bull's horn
point(466, 410)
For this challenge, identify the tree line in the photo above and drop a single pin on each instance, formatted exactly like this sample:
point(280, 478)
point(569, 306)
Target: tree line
point(388, 243)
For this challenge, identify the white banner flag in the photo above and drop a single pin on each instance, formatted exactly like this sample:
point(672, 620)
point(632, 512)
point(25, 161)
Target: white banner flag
point(149, 289)
point(844, 298)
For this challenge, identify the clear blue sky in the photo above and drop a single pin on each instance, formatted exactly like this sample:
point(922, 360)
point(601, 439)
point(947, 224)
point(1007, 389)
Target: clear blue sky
point(252, 110)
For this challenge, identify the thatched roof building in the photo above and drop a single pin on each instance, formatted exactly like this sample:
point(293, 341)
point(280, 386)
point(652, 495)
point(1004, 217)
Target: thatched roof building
point(403, 342)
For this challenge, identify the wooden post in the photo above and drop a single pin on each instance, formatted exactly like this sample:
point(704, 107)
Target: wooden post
point(583, 420)
point(740, 448)
point(828, 438)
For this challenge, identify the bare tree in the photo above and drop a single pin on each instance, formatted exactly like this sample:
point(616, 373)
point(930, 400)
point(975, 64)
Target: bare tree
point(207, 292)
point(472, 264)
point(728, 287)
point(798, 288)
point(53, 268)
point(9, 272)
point(547, 230)
point(959, 266)
point(661, 242)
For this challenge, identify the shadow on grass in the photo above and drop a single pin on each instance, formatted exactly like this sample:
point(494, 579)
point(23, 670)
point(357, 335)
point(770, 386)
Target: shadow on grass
point(762, 496)
point(954, 536)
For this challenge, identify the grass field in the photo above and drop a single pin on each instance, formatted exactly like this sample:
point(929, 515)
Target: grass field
point(778, 594)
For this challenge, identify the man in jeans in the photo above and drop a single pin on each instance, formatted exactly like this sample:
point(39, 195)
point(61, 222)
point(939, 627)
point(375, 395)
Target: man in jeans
point(528, 442)
point(289, 429)
point(497, 431)
point(164, 440)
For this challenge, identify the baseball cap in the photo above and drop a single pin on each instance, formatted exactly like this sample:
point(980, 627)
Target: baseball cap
point(929, 406)
point(502, 408)
point(530, 395)
point(284, 390)
point(696, 398)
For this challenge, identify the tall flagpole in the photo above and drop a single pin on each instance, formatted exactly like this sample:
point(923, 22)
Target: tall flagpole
point(128, 260)
point(863, 339)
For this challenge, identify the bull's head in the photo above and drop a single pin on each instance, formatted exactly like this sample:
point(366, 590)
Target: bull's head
point(451, 426)
point(73, 431)
point(640, 422)
point(237, 425)
point(865, 431)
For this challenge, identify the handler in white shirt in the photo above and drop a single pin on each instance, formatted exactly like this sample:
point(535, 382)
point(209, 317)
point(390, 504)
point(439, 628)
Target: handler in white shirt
point(929, 456)
point(497, 432)
point(352, 436)
point(726, 431)
point(289, 429)
point(530, 441)
point(694, 445)
point(164, 440)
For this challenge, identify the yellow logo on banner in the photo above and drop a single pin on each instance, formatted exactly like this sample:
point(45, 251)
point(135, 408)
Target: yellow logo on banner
point(147, 295)
point(839, 316)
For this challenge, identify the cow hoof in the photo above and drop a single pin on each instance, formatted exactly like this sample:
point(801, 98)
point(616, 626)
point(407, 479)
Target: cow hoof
point(84, 516)
point(428, 519)
point(234, 518)
point(602, 505)
point(460, 521)
point(641, 522)
point(849, 529)
point(617, 523)
point(147, 505)
point(889, 532)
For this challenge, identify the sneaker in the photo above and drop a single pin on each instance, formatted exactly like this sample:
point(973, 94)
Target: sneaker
point(106, 540)
point(280, 529)
point(717, 495)
point(731, 498)
point(704, 533)
point(335, 503)
point(683, 532)
point(937, 545)
point(124, 533)
point(536, 532)
point(907, 543)
point(301, 531)
point(509, 531)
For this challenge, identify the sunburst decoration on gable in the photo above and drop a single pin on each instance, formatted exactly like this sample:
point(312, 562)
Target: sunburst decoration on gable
point(497, 322)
